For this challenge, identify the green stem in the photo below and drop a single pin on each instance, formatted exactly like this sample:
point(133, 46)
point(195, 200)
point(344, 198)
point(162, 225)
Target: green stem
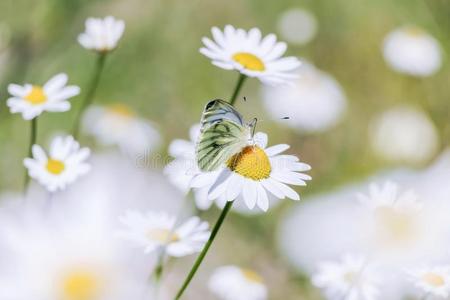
point(202, 255)
point(33, 136)
point(239, 84)
point(90, 92)
point(221, 218)
point(159, 269)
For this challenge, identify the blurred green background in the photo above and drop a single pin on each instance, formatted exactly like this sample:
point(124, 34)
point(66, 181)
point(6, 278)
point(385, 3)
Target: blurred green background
point(158, 71)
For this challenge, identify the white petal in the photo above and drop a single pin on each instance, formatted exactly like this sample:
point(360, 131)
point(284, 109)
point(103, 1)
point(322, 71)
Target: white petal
point(272, 188)
point(276, 149)
point(55, 83)
point(276, 52)
point(219, 186)
point(58, 107)
point(267, 44)
point(39, 153)
point(218, 36)
point(16, 90)
point(65, 93)
point(200, 180)
point(263, 200)
point(225, 66)
point(249, 193)
point(234, 187)
point(261, 139)
point(289, 177)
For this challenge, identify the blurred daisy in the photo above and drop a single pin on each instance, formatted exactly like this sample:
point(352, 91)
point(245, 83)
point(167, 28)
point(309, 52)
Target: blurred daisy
point(234, 283)
point(350, 278)
point(413, 51)
point(432, 281)
point(388, 195)
point(397, 220)
point(155, 230)
point(184, 168)
point(314, 102)
point(102, 35)
point(118, 124)
point(250, 54)
point(404, 134)
point(254, 171)
point(65, 254)
point(297, 26)
point(32, 100)
point(64, 164)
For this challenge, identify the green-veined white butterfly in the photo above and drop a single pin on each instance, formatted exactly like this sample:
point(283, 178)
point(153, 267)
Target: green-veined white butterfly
point(223, 134)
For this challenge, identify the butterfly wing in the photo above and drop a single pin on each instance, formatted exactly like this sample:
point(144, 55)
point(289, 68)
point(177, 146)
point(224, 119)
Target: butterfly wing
point(218, 143)
point(218, 110)
point(223, 134)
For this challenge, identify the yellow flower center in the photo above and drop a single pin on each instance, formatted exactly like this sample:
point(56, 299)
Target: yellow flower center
point(252, 276)
point(163, 236)
point(433, 279)
point(414, 31)
point(249, 61)
point(80, 285)
point(121, 110)
point(55, 166)
point(350, 277)
point(395, 227)
point(36, 96)
point(252, 162)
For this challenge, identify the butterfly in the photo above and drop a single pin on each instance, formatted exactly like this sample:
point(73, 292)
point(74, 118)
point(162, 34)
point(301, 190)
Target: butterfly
point(223, 134)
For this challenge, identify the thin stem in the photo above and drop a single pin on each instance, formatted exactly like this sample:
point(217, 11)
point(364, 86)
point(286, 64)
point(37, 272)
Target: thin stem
point(90, 93)
point(239, 84)
point(202, 255)
point(221, 218)
point(33, 136)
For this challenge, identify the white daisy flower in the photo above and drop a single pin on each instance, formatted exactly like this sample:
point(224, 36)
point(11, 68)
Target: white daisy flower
point(397, 219)
point(250, 54)
point(404, 134)
point(118, 124)
point(32, 100)
point(349, 279)
point(432, 281)
point(102, 35)
point(155, 230)
point(234, 283)
point(412, 51)
point(255, 170)
point(388, 195)
point(64, 164)
point(314, 102)
point(184, 168)
point(297, 26)
point(67, 253)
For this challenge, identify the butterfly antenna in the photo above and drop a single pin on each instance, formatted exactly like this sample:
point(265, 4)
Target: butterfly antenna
point(253, 125)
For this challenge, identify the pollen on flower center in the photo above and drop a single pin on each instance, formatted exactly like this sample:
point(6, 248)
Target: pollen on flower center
point(163, 236)
point(80, 286)
point(395, 227)
point(252, 276)
point(433, 279)
point(36, 96)
point(252, 162)
point(249, 61)
point(55, 166)
point(121, 110)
